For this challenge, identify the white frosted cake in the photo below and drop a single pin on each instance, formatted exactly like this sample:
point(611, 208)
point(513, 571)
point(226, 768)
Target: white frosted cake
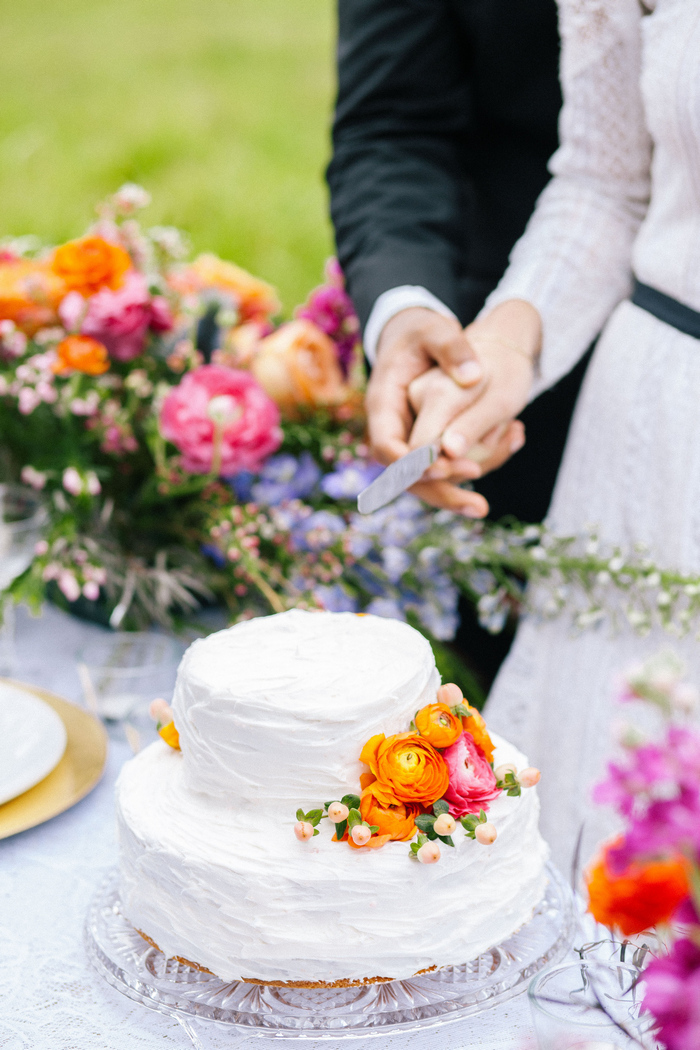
point(272, 716)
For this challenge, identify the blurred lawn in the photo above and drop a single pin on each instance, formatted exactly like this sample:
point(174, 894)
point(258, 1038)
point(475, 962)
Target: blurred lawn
point(220, 108)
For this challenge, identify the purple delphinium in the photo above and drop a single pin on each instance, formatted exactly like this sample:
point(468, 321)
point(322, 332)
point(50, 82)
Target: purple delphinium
point(330, 307)
point(349, 479)
point(285, 477)
point(673, 995)
point(335, 598)
point(317, 531)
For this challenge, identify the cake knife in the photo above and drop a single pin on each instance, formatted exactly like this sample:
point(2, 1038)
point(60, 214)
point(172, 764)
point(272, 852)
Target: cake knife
point(397, 477)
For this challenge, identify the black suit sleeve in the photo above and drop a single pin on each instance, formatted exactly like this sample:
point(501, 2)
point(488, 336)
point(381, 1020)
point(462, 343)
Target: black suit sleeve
point(398, 196)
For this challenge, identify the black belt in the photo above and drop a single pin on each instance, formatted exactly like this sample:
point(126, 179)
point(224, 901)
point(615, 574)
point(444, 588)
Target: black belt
point(667, 309)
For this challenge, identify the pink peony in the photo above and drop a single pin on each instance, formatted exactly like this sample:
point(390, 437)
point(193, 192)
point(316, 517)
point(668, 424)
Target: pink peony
point(673, 995)
point(211, 400)
point(121, 318)
point(472, 781)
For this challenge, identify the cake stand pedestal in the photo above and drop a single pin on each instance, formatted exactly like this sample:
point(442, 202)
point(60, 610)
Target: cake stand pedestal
point(144, 974)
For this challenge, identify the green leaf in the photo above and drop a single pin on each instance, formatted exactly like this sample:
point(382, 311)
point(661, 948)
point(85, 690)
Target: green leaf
point(462, 711)
point(413, 849)
point(351, 801)
point(441, 807)
point(301, 815)
point(514, 791)
point(447, 839)
point(422, 839)
point(374, 828)
point(316, 832)
point(340, 829)
point(354, 818)
point(425, 822)
point(482, 817)
point(314, 816)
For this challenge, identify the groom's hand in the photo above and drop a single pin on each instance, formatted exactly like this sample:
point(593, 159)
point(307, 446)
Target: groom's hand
point(412, 343)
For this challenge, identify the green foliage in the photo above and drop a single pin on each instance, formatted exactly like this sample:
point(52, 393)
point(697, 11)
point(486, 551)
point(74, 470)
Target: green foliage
point(509, 784)
point(220, 110)
point(471, 822)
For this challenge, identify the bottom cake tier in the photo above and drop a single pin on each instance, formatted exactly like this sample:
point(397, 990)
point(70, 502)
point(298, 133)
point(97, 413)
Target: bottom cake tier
point(237, 894)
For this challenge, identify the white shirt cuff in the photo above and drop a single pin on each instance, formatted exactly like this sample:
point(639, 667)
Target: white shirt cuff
point(393, 302)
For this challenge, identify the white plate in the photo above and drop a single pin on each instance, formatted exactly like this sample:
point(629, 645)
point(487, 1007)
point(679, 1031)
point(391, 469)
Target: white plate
point(32, 741)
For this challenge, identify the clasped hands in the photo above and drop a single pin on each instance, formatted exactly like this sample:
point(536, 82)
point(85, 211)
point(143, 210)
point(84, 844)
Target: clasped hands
point(435, 381)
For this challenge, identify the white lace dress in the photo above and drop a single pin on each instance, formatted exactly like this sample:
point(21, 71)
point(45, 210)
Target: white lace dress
point(625, 197)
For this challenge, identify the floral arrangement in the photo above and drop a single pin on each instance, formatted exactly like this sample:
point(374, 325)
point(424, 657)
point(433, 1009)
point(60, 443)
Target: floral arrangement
point(193, 450)
point(649, 877)
point(421, 783)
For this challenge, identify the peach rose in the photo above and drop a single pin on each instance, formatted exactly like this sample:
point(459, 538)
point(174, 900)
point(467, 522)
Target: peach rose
point(437, 725)
point(29, 294)
point(407, 768)
point(298, 367)
point(81, 353)
point(91, 263)
point(395, 819)
point(255, 299)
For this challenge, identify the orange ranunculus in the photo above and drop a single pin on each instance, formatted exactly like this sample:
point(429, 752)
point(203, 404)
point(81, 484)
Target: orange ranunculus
point(437, 725)
point(29, 294)
point(474, 724)
point(170, 735)
point(395, 819)
point(81, 353)
point(256, 300)
point(642, 896)
point(298, 367)
point(91, 263)
point(407, 768)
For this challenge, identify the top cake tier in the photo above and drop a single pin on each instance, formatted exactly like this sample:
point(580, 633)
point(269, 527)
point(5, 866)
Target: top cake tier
point(278, 708)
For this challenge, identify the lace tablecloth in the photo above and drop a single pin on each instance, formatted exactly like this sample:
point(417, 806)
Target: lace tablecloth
point(50, 997)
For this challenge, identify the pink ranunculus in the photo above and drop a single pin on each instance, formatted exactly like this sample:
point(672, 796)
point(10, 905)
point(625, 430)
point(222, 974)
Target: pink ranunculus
point(472, 781)
point(121, 318)
point(214, 401)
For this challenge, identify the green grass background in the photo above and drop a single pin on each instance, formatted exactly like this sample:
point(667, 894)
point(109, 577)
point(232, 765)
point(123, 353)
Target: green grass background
point(220, 108)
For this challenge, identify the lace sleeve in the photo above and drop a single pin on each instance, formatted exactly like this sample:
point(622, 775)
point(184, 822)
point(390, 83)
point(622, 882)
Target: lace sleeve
point(574, 260)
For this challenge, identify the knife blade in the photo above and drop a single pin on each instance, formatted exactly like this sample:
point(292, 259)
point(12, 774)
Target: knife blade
point(397, 477)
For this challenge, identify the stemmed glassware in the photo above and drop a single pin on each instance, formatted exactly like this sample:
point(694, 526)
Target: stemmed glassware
point(22, 518)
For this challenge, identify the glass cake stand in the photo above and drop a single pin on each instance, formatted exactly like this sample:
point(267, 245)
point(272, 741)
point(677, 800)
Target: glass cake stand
point(142, 973)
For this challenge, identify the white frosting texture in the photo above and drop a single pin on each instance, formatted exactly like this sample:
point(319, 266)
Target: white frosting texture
point(279, 707)
point(233, 890)
point(272, 715)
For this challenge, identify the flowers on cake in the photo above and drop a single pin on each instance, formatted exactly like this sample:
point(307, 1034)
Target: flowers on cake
point(421, 784)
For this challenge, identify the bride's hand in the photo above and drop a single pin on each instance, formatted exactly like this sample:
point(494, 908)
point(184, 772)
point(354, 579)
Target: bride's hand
point(506, 342)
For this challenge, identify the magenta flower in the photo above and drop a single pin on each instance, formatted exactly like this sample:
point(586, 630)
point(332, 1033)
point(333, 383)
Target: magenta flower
point(120, 319)
point(472, 781)
point(222, 421)
point(330, 308)
point(673, 995)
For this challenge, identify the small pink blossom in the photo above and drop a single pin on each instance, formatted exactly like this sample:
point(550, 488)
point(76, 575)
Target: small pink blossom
point(91, 591)
point(51, 571)
point(27, 400)
point(92, 483)
point(72, 481)
point(41, 548)
point(72, 311)
point(69, 585)
point(226, 404)
point(120, 319)
point(35, 478)
point(472, 781)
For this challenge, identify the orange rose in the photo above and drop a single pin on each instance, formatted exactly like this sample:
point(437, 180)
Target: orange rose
point(89, 264)
point(170, 735)
point(297, 365)
point(640, 897)
point(256, 300)
point(407, 768)
point(29, 294)
point(81, 353)
point(474, 724)
point(395, 819)
point(437, 725)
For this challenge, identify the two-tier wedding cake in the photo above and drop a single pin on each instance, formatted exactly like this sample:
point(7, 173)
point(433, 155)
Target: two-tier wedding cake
point(272, 716)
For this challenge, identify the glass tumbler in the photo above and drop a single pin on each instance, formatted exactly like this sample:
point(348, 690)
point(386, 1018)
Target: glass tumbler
point(122, 671)
point(590, 1005)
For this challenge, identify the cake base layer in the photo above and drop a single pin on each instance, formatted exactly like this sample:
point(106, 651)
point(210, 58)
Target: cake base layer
point(235, 892)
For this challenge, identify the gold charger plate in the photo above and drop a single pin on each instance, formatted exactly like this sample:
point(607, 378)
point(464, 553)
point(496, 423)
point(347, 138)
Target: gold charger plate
point(73, 778)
